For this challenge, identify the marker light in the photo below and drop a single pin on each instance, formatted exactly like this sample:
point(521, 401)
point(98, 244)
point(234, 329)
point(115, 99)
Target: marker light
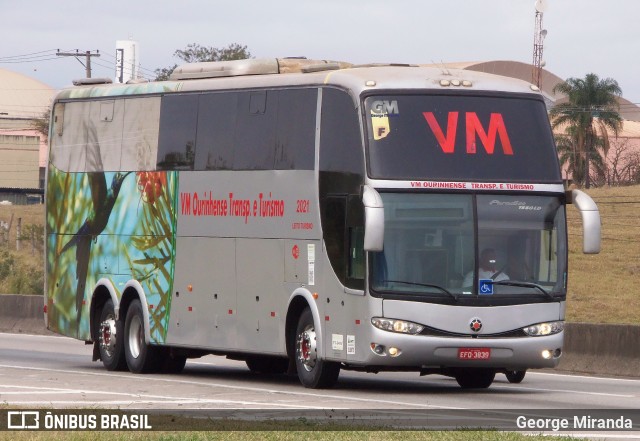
point(400, 326)
point(541, 329)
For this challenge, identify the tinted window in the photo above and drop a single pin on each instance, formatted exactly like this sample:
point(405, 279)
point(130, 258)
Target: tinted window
point(216, 131)
point(341, 176)
point(460, 137)
point(256, 130)
point(295, 142)
point(177, 139)
point(340, 139)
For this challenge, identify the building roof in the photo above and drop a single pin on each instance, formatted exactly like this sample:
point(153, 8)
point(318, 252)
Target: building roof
point(22, 97)
point(523, 71)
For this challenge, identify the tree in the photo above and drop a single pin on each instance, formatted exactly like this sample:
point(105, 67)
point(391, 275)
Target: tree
point(568, 154)
point(592, 110)
point(41, 124)
point(195, 53)
point(623, 164)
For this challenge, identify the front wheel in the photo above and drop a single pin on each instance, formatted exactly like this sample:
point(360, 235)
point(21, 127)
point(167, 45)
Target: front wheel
point(141, 358)
point(313, 372)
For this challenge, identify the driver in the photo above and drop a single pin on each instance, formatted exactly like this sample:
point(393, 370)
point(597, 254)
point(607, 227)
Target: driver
point(487, 268)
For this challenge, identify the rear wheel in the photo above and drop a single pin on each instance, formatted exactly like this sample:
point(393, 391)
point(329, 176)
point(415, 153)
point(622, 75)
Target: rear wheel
point(111, 339)
point(475, 378)
point(515, 376)
point(267, 365)
point(141, 358)
point(313, 372)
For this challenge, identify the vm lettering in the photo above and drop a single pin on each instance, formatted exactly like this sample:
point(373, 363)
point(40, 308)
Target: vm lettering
point(475, 132)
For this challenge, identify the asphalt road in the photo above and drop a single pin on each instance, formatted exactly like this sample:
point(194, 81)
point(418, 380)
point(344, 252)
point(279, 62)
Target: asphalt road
point(51, 371)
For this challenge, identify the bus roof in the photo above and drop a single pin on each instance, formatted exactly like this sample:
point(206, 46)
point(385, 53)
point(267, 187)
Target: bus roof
point(260, 73)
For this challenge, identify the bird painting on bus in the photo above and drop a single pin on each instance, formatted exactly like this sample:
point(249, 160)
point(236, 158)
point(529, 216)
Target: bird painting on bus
point(103, 201)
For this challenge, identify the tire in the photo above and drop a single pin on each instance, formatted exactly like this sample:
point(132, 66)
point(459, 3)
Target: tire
point(515, 376)
point(267, 365)
point(313, 372)
point(475, 378)
point(141, 358)
point(111, 339)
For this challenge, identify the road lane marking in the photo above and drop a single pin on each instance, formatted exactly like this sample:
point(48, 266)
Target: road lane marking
point(239, 388)
point(142, 397)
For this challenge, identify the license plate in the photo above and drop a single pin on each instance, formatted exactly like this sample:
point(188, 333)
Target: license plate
point(474, 353)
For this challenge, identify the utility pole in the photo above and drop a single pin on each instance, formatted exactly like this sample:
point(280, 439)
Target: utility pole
point(76, 54)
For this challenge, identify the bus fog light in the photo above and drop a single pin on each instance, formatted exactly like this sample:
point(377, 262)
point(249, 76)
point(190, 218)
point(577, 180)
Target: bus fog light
point(378, 349)
point(394, 352)
point(547, 354)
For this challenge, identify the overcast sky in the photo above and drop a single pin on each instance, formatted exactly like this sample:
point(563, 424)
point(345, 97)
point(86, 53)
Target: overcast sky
point(584, 36)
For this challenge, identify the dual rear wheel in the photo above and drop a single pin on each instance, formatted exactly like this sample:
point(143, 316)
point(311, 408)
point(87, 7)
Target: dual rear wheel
point(122, 345)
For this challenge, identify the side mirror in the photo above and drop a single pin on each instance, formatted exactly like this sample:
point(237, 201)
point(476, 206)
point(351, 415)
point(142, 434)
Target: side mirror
point(590, 220)
point(373, 219)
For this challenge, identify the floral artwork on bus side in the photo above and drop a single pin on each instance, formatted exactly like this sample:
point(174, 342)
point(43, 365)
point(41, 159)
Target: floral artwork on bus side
point(111, 225)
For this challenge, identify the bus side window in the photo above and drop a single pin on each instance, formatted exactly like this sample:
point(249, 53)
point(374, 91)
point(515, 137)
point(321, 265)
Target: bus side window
point(256, 130)
point(296, 131)
point(177, 138)
point(334, 223)
point(215, 145)
point(341, 177)
point(355, 231)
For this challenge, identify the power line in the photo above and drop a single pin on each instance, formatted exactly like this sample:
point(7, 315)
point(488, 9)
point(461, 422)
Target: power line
point(87, 55)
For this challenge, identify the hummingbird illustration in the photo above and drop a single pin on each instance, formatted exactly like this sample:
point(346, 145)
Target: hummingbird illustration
point(103, 201)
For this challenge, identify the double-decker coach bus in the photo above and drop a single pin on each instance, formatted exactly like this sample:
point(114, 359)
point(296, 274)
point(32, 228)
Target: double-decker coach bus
point(310, 217)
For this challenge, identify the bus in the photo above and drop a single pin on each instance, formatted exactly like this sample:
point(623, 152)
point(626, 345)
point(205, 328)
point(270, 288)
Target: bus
point(309, 217)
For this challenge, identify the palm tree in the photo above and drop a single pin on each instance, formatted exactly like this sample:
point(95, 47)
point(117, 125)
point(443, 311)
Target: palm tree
point(591, 110)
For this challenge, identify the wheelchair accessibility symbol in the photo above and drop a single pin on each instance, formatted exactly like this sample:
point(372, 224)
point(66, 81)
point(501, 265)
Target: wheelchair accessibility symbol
point(485, 287)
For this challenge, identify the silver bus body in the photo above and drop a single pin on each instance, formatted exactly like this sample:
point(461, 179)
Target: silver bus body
point(171, 236)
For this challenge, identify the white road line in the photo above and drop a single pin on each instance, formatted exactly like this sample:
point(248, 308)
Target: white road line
point(591, 377)
point(565, 391)
point(240, 388)
point(179, 402)
point(141, 398)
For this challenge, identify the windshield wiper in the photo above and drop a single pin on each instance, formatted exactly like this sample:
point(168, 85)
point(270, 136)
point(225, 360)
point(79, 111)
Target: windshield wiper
point(525, 285)
point(426, 285)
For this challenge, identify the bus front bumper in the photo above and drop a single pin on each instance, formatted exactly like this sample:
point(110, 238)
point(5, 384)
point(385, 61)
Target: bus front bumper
point(400, 350)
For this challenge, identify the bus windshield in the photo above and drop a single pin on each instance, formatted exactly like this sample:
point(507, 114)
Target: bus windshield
point(452, 245)
point(461, 137)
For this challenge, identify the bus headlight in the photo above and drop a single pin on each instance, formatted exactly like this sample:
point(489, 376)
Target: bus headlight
point(400, 326)
point(540, 329)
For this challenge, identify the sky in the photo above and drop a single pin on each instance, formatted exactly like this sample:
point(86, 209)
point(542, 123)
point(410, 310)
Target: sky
point(584, 36)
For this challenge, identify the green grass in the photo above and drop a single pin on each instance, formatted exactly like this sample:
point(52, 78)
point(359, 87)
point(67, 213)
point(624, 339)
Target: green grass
point(602, 288)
